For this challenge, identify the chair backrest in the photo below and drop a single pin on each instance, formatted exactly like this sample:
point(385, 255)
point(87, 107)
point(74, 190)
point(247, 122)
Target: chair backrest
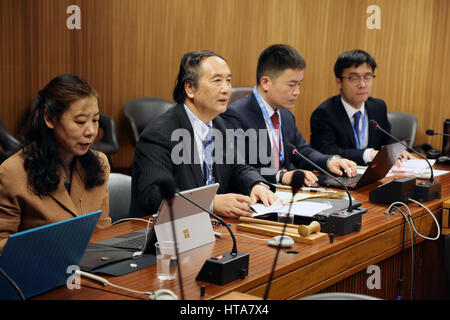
point(109, 143)
point(119, 186)
point(141, 111)
point(239, 92)
point(8, 142)
point(403, 126)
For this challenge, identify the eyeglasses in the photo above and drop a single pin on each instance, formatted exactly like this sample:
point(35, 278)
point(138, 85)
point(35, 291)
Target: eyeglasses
point(356, 79)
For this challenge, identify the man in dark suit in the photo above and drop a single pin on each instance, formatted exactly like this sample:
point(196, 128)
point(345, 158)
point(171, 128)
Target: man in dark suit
point(340, 125)
point(265, 114)
point(185, 143)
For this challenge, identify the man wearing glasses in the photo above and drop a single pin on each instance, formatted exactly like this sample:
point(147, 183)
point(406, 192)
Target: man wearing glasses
point(340, 125)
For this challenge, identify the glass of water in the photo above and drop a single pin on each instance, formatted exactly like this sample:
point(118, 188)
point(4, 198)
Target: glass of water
point(166, 260)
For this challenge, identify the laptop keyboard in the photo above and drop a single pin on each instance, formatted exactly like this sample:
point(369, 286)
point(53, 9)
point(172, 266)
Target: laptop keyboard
point(131, 243)
point(347, 181)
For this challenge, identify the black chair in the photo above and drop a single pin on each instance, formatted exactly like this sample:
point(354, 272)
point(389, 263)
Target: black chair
point(239, 92)
point(141, 111)
point(109, 143)
point(119, 186)
point(403, 126)
point(8, 142)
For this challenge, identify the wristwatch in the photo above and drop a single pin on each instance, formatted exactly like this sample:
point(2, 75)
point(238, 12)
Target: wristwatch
point(280, 175)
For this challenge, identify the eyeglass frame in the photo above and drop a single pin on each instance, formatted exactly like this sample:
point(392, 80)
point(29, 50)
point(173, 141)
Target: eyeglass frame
point(360, 78)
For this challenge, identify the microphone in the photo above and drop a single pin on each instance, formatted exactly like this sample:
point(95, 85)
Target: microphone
point(424, 191)
point(297, 182)
point(226, 267)
point(167, 186)
point(341, 222)
point(431, 132)
point(350, 203)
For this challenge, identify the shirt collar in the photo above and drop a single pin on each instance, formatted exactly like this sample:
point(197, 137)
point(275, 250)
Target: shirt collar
point(269, 109)
point(351, 111)
point(200, 128)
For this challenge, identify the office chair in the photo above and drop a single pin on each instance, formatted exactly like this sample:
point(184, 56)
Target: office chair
point(119, 186)
point(8, 142)
point(338, 296)
point(239, 92)
point(403, 126)
point(141, 111)
point(109, 143)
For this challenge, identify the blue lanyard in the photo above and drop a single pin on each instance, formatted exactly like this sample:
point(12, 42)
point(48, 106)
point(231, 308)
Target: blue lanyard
point(270, 124)
point(363, 133)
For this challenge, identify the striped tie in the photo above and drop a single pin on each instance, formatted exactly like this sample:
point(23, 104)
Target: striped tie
point(208, 152)
point(276, 153)
point(357, 116)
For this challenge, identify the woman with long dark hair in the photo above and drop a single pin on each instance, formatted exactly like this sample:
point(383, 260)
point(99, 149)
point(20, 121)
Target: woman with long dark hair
point(56, 175)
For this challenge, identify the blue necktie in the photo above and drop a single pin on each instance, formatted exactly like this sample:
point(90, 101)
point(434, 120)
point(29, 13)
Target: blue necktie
point(208, 152)
point(357, 116)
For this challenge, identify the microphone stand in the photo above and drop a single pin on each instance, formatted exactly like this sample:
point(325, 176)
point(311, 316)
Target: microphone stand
point(341, 222)
point(295, 187)
point(350, 203)
point(223, 268)
point(180, 278)
point(424, 191)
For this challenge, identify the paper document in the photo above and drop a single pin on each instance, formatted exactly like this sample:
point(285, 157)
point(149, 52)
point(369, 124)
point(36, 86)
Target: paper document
point(302, 208)
point(416, 167)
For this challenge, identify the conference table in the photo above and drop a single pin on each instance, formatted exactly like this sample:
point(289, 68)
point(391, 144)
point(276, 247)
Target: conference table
point(345, 263)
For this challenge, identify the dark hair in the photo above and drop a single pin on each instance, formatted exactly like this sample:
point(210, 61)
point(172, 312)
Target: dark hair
point(277, 58)
point(40, 146)
point(189, 71)
point(352, 58)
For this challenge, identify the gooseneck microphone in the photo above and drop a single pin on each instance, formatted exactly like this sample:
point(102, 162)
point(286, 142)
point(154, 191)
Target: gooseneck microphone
point(423, 192)
point(167, 187)
point(375, 124)
point(295, 152)
point(340, 222)
point(298, 179)
point(431, 132)
point(226, 267)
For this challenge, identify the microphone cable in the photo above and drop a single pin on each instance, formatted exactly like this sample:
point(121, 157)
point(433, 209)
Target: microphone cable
point(297, 181)
point(13, 284)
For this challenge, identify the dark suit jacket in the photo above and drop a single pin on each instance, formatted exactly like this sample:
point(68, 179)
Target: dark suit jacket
point(246, 114)
point(331, 129)
point(154, 159)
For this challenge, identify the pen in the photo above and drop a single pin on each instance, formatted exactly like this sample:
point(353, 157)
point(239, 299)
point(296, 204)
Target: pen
point(317, 190)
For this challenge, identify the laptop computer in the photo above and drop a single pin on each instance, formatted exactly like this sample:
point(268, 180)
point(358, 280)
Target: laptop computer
point(378, 168)
point(114, 256)
point(37, 259)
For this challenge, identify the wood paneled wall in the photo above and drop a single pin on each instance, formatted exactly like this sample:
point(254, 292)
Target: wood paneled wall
point(132, 48)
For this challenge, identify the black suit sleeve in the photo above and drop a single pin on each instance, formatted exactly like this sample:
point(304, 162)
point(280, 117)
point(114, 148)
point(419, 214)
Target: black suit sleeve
point(151, 162)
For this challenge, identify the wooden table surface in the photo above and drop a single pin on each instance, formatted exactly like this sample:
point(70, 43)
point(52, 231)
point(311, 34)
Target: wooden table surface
point(315, 266)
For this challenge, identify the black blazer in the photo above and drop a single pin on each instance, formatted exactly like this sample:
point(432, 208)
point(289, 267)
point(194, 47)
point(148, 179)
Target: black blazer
point(246, 114)
point(154, 159)
point(331, 129)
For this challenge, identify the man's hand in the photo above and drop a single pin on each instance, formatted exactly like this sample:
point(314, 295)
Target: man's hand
point(310, 178)
point(260, 192)
point(232, 205)
point(340, 165)
point(405, 156)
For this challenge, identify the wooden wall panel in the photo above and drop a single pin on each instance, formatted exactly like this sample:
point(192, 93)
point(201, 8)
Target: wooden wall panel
point(128, 49)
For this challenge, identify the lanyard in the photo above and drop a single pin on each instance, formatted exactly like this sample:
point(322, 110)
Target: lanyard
point(270, 124)
point(363, 133)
